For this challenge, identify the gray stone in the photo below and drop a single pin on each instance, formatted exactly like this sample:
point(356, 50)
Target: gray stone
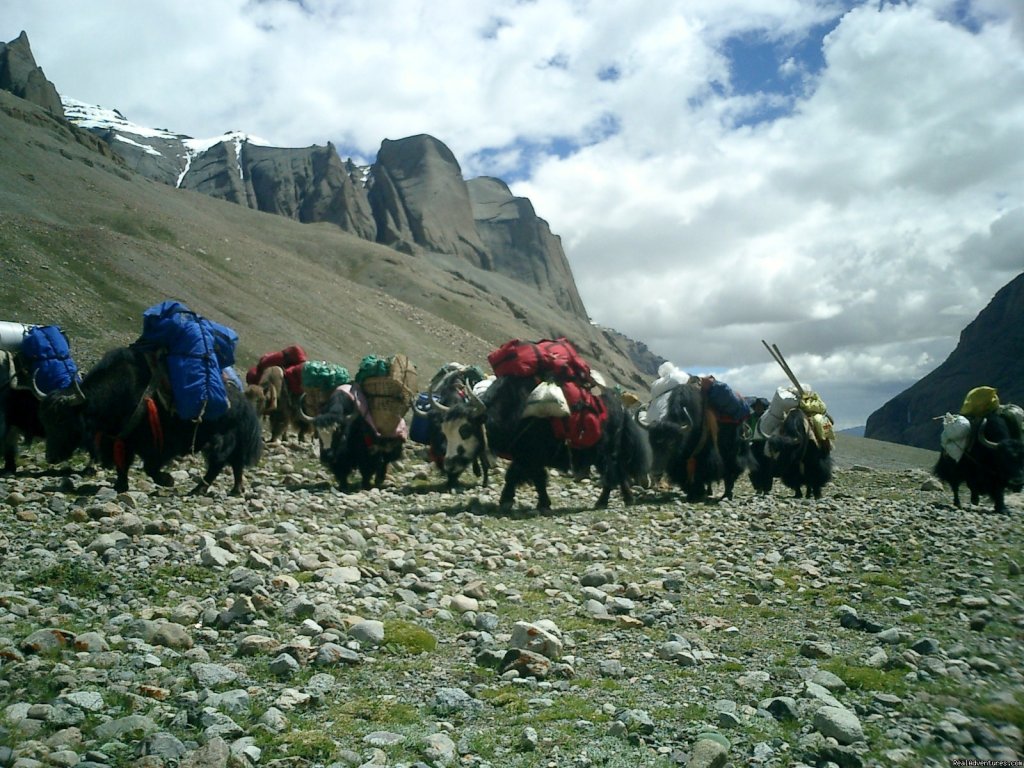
point(129, 728)
point(708, 753)
point(839, 723)
point(330, 654)
point(212, 675)
point(781, 707)
point(368, 632)
point(284, 665)
point(450, 700)
point(439, 749)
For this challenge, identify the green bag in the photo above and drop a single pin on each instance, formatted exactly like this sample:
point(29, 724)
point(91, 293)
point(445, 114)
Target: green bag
point(319, 374)
point(372, 366)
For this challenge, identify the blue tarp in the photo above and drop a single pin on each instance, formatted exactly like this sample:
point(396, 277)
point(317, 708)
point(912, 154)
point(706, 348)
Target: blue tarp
point(197, 349)
point(48, 355)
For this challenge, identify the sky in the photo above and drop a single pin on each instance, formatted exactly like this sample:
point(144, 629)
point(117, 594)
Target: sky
point(844, 179)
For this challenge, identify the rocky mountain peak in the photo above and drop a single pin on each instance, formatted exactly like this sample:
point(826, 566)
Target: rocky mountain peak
point(420, 200)
point(20, 75)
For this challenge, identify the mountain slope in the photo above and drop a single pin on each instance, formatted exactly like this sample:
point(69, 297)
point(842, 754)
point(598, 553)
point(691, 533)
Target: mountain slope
point(88, 244)
point(988, 353)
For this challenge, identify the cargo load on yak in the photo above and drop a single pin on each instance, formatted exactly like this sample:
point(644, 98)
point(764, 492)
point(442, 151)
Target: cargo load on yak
point(728, 405)
point(46, 359)
point(797, 396)
point(193, 351)
point(319, 374)
point(567, 391)
point(285, 358)
point(980, 401)
point(389, 385)
point(960, 430)
point(669, 377)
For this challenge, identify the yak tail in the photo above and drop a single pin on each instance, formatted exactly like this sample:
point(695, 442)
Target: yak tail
point(635, 450)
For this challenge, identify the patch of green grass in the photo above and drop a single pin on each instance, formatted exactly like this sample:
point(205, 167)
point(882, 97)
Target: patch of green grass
point(194, 580)
point(1003, 711)
point(509, 700)
point(566, 707)
point(884, 579)
point(861, 678)
point(406, 637)
point(312, 745)
point(72, 577)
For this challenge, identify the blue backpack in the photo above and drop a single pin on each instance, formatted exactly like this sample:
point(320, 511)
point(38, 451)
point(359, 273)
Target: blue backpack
point(197, 350)
point(47, 353)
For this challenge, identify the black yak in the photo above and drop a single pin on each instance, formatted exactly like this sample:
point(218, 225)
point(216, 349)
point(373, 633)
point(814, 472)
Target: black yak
point(118, 414)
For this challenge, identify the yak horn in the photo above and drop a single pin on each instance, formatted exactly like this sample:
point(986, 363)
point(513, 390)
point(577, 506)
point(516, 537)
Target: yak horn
point(40, 395)
point(640, 417)
point(479, 406)
point(302, 411)
point(981, 435)
point(75, 398)
point(432, 403)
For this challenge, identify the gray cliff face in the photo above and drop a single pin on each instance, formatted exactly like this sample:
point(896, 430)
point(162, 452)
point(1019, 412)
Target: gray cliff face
point(215, 172)
point(520, 243)
point(20, 75)
point(422, 200)
point(414, 198)
point(160, 159)
point(988, 354)
point(310, 185)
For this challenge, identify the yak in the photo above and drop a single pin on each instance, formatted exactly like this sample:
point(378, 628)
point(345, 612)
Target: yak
point(272, 398)
point(118, 414)
point(19, 412)
point(494, 422)
point(449, 389)
point(992, 464)
point(349, 441)
point(685, 444)
point(794, 455)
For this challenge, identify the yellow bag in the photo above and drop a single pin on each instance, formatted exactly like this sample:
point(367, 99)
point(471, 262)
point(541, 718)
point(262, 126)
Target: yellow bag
point(821, 423)
point(980, 401)
point(811, 404)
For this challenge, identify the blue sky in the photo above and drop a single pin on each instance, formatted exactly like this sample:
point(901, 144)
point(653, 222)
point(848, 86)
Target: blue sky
point(844, 179)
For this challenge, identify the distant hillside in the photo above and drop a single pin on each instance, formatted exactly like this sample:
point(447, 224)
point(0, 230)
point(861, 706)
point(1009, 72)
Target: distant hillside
point(989, 353)
point(88, 243)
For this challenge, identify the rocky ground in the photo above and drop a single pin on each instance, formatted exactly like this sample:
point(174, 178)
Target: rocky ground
point(298, 626)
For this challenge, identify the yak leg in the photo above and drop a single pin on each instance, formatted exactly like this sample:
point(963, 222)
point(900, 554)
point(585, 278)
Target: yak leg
point(1000, 502)
point(121, 480)
point(514, 475)
point(238, 473)
point(602, 500)
point(540, 482)
point(278, 425)
point(213, 470)
point(956, 496)
point(10, 464)
point(380, 475)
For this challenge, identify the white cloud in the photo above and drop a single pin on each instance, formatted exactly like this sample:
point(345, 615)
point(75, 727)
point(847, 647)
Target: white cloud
point(861, 230)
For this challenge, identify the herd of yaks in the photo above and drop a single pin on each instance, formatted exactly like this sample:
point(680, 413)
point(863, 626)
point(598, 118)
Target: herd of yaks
point(542, 408)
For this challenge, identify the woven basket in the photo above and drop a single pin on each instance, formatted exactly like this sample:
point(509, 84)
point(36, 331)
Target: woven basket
point(388, 400)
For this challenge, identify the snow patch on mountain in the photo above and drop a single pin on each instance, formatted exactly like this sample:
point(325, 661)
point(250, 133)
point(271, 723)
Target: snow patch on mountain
point(152, 141)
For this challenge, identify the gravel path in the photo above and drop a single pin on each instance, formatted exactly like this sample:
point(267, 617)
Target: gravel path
point(408, 627)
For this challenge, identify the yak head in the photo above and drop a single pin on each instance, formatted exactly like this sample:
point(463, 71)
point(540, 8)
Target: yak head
point(254, 394)
point(1007, 451)
point(673, 436)
point(462, 426)
point(62, 413)
point(332, 422)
